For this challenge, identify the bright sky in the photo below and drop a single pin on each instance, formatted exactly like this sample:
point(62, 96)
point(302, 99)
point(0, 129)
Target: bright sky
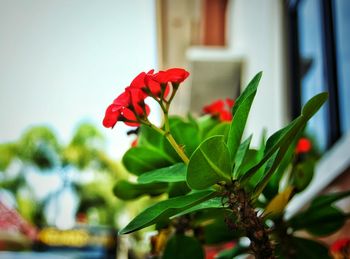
point(62, 62)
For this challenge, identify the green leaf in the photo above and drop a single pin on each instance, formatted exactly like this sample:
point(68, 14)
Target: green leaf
point(183, 247)
point(170, 174)
point(282, 139)
point(248, 91)
point(13, 185)
point(220, 129)
point(206, 123)
point(303, 174)
point(169, 149)
point(273, 185)
point(7, 153)
point(330, 218)
point(313, 105)
point(272, 145)
point(150, 137)
point(240, 114)
point(251, 157)
point(128, 191)
point(306, 248)
point(185, 134)
point(86, 135)
point(214, 203)
point(241, 154)
point(327, 199)
point(39, 146)
point(192, 120)
point(275, 140)
point(217, 231)
point(138, 160)
point(165, 209)
point(209, 164)
point(233, 252)
point(321, 213)
point(178, 189)
point(270, 169)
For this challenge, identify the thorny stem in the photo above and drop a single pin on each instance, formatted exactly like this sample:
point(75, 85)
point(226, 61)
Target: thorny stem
point(281, 232)
point(248, 221)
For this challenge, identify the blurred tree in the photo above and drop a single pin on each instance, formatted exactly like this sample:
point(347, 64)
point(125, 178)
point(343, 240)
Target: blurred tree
point(39, 149)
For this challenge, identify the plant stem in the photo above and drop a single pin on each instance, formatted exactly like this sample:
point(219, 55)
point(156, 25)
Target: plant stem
point(166, 133)
point(172, 142)
point(177, 148)
point(172, 96)
point(280, 231)
point(249, 222)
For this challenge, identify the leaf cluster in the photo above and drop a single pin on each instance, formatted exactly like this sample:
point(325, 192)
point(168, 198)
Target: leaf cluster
point(221, 160)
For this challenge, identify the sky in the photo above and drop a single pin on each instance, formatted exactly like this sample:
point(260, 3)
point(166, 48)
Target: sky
point(63, 62)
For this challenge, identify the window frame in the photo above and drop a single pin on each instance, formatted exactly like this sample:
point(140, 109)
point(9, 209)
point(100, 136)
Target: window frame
point(336, 159)
point(329, 55)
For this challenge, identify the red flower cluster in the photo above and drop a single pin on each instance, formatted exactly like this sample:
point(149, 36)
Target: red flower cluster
point(220, 109)
point(303, 146)
point(130, 106)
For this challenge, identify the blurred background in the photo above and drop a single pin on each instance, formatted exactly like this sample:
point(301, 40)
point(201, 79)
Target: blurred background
point(62, 62)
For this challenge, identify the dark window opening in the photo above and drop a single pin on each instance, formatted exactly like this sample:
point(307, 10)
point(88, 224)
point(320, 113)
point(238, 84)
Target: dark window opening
point(318, 34)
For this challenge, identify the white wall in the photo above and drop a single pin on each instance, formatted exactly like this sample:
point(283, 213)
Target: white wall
point(255, 33)
point(64, 61)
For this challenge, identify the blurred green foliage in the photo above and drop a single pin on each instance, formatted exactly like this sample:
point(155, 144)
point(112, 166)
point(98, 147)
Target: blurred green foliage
point(40, 148)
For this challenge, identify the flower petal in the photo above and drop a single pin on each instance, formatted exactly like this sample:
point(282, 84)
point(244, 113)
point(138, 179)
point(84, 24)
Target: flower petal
point(174, 75)
point(129, 115)
point(112, 115)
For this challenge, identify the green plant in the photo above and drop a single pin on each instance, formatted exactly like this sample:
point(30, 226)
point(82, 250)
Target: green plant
point(218, 187)
point(39, 148)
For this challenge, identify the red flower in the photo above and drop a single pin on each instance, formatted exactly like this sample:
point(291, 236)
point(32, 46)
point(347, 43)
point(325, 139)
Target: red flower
point(137, 99)
point(230, 102)
point(341, 248)
point(214, 108)
point(130, 106)
point(123, 99)
point(220, 109)
point(173, 75)
point(155, 87)
point(340, 244)
point(147, 84)
point(303, 146)
point(225, 116)
point(112, 115)
point(124, 108)
point(139, 80)
point(130, 115)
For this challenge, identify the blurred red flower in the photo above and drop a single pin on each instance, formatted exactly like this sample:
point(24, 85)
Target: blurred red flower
point(220, 109)
point(340, 249)
point(303, 146)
